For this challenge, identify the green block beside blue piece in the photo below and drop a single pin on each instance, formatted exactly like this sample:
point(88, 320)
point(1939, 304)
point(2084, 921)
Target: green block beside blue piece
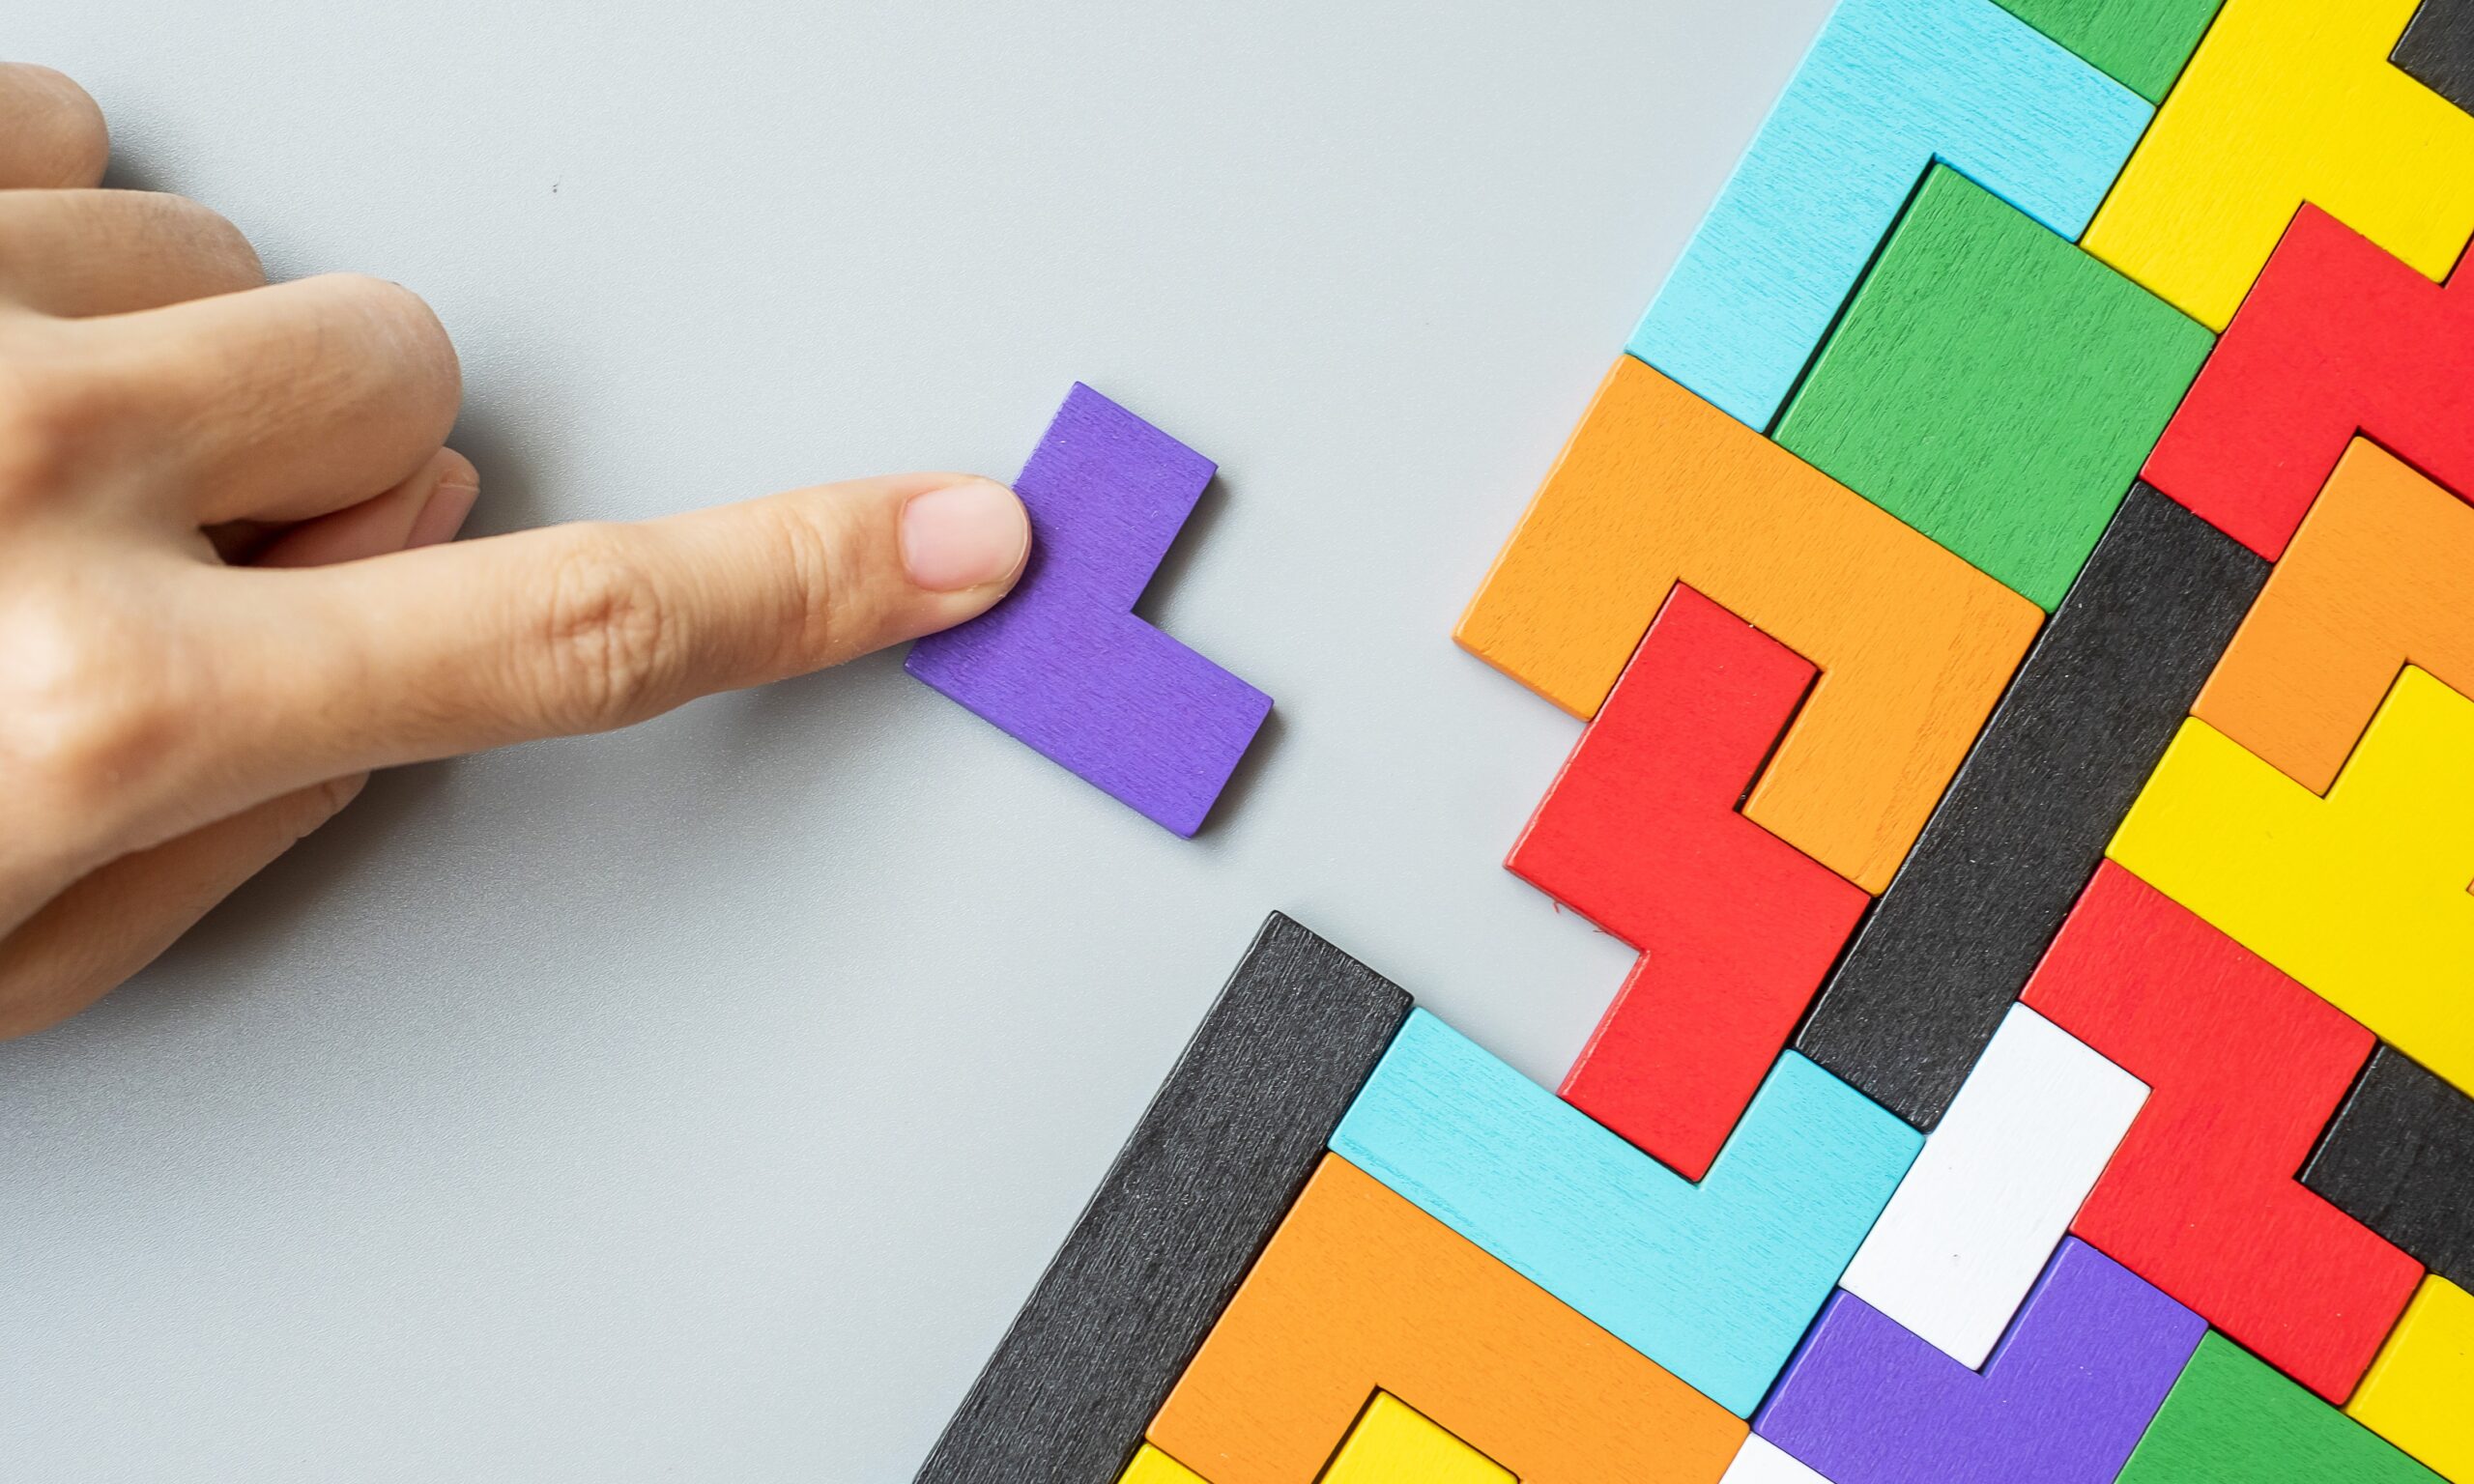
point(1716, 1282)
point(1888, 87)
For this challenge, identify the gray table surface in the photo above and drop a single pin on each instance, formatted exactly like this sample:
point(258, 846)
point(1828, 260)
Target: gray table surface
point(697, 1102)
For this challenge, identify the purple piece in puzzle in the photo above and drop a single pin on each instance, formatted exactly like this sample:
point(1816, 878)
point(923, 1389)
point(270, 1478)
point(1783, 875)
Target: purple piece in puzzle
point(2063, 1398)
point(1063, 665)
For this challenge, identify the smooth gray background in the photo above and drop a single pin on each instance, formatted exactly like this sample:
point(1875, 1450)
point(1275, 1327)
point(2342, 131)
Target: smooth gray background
point(699, 1102)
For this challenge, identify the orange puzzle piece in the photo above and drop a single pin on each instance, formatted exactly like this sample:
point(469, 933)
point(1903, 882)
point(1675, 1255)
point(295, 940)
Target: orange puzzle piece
point(1359, 1292)
point(1658, 487)
point(2376, 579)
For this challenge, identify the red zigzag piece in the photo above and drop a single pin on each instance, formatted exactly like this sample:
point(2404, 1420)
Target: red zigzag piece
point(2244, 1068)
point(1736, 927)
point(2337, 337)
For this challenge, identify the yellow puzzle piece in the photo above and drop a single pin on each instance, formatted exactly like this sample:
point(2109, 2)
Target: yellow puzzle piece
point(1392, 1443)
point(2363, 895)
point(2419, 1394)
point(2287, 100)
point(1150, 1466)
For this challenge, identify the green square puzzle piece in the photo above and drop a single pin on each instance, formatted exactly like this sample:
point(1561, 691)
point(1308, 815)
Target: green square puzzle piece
point(2232, 1418)
point(1994, 386)
point(2139, 43)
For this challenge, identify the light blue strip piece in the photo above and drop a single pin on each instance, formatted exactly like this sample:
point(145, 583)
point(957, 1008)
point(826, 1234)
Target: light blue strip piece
point(1888, 86)
point(1717, 1282)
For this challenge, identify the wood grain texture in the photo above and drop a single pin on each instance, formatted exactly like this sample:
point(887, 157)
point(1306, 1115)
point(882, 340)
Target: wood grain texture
point(2232, 1419)
point(1639, 834)
point(1714, 1281)
point(2139, 43)
point(2417, 1392)
point(1957, 392)
point(2287, 100)
point(1361, 1290)
point(2335, 337)
point(1392, 1443)
point(2438, 49)
point(2362, 895)
point(1981, 1210)
point(1658, 487)
point(2243, 1068)
point(1063, 665)
point(2399, 1159)
point(1212, 1166)
point(2376, 579)
point(1951, 943)
point(2095, 1352)
point(1888, 87)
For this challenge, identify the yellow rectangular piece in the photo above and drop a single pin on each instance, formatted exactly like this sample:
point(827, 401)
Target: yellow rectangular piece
point(2287, 100)
point(1392, 1443)
point(1150, 1466)
point(1658, 487)
point(2419, 1394)
point(2362, 896)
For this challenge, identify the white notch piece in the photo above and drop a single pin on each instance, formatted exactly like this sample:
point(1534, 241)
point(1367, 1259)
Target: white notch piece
point(1989, 1199)
point(1763, 1462)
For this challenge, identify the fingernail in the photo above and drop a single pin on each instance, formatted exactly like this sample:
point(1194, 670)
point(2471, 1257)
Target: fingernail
point(445, 513)
point(963, 535)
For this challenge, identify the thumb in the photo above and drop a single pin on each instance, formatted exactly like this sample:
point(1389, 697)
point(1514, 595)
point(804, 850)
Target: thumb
point(581, 628)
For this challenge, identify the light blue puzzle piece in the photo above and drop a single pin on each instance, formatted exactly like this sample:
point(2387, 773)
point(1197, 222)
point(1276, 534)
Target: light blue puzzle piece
point(1717, 1282)
point(1888, 87)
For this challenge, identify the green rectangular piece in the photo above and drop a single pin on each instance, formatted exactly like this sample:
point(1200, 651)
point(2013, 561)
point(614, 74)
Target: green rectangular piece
point(2233, 1419)
point(1994, 386)
point(2139, 43)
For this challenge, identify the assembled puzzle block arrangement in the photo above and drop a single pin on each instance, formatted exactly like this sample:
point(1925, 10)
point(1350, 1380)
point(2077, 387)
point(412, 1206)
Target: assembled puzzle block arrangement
point(1639, 834)
point(1064, 665)
point(2068, 714)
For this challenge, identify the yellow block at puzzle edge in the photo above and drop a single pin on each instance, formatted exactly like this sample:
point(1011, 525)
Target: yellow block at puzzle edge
point(2419, 1394)
point(1150, 1466)
point(1392, 1443)
point(2361, 896)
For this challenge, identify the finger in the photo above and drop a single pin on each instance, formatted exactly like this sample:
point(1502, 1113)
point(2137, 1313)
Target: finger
point(278, 404)
point(581, 628)
point(85, 252)
point(118, 918)
point(423, 510)
point(51, 134)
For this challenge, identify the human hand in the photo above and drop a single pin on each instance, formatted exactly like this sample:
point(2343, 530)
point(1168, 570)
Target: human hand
point(226, 594)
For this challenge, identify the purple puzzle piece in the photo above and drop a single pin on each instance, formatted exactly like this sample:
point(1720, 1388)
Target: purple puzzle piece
point(2063, 1398)
point(1063, 665)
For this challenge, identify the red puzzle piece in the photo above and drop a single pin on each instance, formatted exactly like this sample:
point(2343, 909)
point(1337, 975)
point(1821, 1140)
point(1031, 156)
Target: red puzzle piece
point(1735, 926)
point(2337, 337)
point(2244, 1068)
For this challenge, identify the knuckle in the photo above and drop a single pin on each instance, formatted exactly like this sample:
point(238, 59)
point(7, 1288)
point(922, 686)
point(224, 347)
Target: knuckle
point(205, 234)
point(48, 421)
point(608, 650)
point(86, 711)
point(808, 593)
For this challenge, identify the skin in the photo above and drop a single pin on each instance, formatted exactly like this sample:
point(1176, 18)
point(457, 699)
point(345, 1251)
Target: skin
point(227, 585)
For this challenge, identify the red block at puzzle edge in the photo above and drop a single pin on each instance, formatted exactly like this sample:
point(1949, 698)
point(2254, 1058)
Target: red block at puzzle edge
point(1640, 834)
point(2244, 1068)
point(2336, 338)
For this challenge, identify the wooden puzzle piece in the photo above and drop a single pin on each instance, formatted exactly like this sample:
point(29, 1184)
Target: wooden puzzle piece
point(1211, 1168)
point(2375, 579)
point(2139, 43)
point(2243, 1068)
point(1951, 943)
point(2438, 49)
point(2065, 1400)
point(1957, 392)
point(1888, 87)
point(1658, 487)
point(1715, 1281)
point(1359, 1291)
point(2362, 896)
point(2287, 100)
point(2417, 1392)
point(1640, 834)
point(1150, 1466)
point(1763, 1462)
point(1392, 1443)
point(1983, 1207)
point(1063, 665)
point(2232, 1419)
point(2399, 1159)
point(2337, 337)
